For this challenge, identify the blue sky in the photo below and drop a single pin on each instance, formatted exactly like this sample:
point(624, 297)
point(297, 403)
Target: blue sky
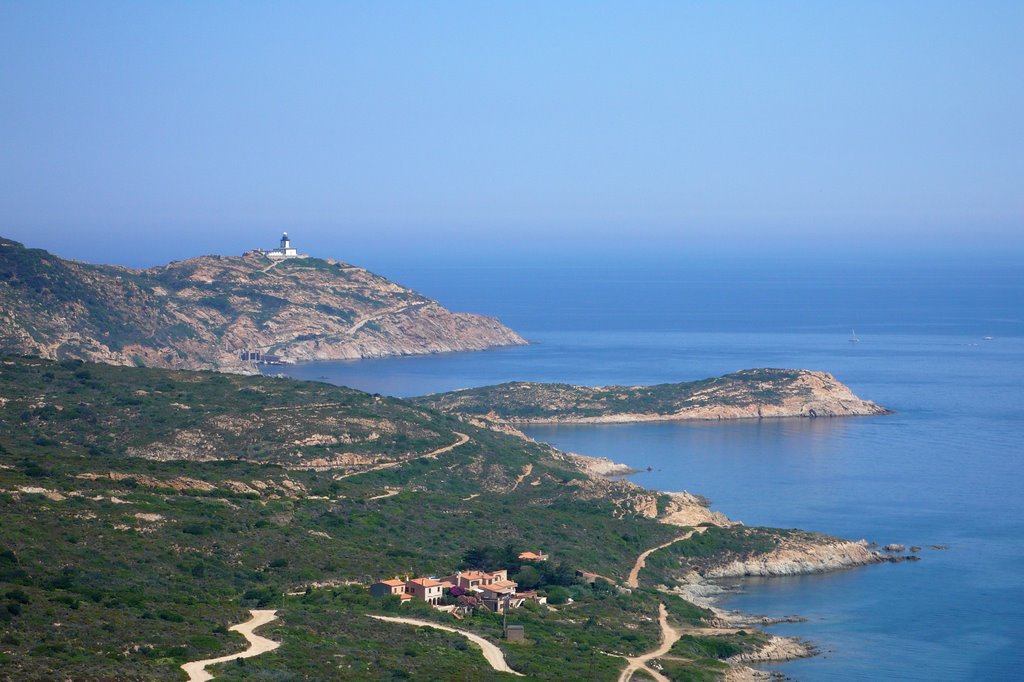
point(139, 132)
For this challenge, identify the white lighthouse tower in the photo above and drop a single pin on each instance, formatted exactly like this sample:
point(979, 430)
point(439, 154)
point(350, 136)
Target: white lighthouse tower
point(285, 251)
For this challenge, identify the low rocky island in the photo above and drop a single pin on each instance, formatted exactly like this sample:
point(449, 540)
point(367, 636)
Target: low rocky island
point(747, 394)
point(225, 313)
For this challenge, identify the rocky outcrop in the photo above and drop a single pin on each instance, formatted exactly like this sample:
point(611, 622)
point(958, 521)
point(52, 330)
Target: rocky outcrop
point(687, 509)
point(747, 394)
point(797, 557)
point(203, 313)
point(776, 649)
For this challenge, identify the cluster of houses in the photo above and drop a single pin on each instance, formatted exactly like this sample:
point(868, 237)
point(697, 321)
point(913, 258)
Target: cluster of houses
point(493, 589)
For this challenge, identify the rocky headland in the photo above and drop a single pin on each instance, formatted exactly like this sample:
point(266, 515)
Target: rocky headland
point(798, 556)
point(747, 394)
point(205, 312)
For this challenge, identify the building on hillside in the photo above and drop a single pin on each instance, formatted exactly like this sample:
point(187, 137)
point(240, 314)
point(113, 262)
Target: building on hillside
point(515, 633)
point(382, 588)
point(500, 587)
point(425, 589)
point(499, 597)
point(531, 556)
point(260, 358)
point(534, 595)
point(472, 580)
point(501, 594)
point(285, 250)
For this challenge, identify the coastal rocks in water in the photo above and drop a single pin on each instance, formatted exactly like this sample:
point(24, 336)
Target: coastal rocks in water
point(798, 557)
point(599, 466)
point(744, 620)
point(776, 649)
point(894, 548)
point(744, 673)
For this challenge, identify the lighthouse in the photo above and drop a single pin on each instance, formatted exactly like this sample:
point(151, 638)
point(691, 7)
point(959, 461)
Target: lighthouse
point(286, 250)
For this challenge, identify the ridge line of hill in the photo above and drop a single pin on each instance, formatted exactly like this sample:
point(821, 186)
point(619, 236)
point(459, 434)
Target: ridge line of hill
point(223, 313)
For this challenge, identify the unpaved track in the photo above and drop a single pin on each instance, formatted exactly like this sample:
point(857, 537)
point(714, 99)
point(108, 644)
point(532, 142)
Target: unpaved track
point(462, 440)
point(527, 470)
point(669, 636)
point(641, 561)
point(491, 652)
point(376, 316)
point(196, 670)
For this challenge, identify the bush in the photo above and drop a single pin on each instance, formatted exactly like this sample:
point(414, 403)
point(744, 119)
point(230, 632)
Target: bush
point(557, 595)
point(170, 616)
point(18, 596)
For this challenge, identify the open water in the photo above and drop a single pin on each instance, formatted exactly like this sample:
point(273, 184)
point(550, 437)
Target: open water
point(946, 469)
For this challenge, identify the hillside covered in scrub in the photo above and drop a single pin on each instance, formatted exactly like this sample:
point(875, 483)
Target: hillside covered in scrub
point(203, 313)
point(748, 394)
point(146, 510)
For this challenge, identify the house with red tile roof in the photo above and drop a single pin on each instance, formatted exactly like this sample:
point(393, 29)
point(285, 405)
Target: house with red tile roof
point(531, 556)
point(472, 580)
point(382, 588)
point(425, 589)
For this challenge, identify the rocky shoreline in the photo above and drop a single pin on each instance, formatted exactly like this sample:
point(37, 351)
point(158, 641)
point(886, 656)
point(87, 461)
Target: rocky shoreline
point(800, 558)
point(799, 554)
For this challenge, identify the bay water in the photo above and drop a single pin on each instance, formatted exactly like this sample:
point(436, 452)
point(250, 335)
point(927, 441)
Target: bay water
point(940, 344)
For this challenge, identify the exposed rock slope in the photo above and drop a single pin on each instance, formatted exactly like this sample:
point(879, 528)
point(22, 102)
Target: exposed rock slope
point(748, 394)
point(202, 312)
point(798, 556)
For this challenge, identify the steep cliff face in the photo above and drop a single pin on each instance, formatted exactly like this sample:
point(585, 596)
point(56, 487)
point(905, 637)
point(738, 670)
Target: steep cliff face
point(748, 394)
point(203, 312)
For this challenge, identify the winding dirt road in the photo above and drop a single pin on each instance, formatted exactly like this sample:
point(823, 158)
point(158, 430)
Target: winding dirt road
point(462, 440)
point(196, 670)
point(491, 652)
point(669, 636)
point(376, 316)
point(527, 470)
point(634, 575)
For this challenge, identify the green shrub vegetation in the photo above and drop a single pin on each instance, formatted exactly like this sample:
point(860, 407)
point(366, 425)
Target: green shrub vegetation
point(144, 559)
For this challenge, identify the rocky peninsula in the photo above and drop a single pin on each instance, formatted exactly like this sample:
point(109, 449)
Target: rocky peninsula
point(224, 313)
point(747, 394)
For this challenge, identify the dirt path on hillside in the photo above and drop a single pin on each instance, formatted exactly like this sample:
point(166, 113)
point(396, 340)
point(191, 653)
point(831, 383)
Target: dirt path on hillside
point(491, 652)
point(527, 470)
point(641, 561)
point(462, 440)
point(376, 316)
point(669, 636)
point(196, 670)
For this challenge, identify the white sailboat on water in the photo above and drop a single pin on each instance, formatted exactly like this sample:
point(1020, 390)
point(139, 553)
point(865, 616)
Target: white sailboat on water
point(853, 337)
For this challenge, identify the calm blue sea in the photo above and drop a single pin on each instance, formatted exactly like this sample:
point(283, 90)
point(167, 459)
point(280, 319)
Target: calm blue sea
point(946, 469)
